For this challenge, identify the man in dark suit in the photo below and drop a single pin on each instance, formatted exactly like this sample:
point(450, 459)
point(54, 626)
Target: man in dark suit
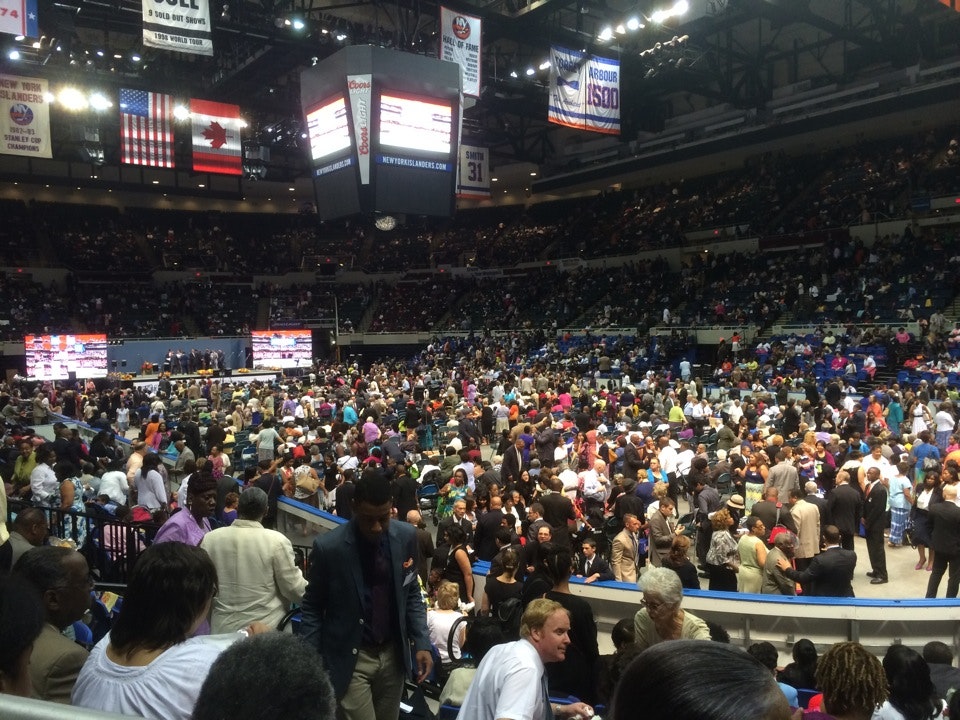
point(558, 512)
point(846, 507)
point(362, 608)
point(457, 518)
point(533, 522)
point(821, 502)
point(772, 511)
point(874, 520)
point(424, 544)
point(945, 543)
point(632, 462)
point(485, 537)
point(830, 574)
point(592, 567)
point(512, 466)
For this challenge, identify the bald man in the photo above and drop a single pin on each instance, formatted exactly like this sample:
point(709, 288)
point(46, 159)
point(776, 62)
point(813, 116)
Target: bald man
point(485, 537)
point(424, 544)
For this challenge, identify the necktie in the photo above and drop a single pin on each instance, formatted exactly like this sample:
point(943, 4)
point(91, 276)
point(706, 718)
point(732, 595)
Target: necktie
point(636, 548)
point(586, 569)
point(547, 707)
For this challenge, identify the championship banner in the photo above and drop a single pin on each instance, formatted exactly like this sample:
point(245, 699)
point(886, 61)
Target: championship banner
point(473, 178)
point(216, 137)
point(584, 91)
point(146, 132)
point(19, 17)
point(360, 88)
point(25, 117)
point(184, 27)
point(460, 43)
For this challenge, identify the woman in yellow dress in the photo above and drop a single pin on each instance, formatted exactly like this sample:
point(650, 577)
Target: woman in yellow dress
point(753, 554)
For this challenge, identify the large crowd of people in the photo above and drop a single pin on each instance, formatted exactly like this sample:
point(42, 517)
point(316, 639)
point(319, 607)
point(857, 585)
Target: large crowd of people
point(540, 469)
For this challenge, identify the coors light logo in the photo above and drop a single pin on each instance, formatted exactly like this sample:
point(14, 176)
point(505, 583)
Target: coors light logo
point(357, 87)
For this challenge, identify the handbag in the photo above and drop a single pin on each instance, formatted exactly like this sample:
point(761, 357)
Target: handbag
point(307, 483)
point(778, 527)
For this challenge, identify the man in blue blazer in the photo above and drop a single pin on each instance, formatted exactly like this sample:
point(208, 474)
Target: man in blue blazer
point(363, 608)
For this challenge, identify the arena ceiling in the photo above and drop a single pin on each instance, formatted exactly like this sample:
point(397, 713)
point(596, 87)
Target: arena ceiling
point(721, 51)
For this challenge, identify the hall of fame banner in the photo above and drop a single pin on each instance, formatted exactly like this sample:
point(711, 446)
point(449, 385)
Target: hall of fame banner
point(184, 27)
point(460, 43)
point(26, 116)
point(584, 91)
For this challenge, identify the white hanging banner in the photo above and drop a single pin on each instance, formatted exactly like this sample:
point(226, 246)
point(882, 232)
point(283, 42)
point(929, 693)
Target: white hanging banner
point(584, 91)
point(184, 27)
point(460, 43)
point(25, 117)
point(473, 180)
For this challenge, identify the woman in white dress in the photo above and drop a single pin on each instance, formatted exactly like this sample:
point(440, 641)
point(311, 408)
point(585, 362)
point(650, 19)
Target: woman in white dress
point(920, 416)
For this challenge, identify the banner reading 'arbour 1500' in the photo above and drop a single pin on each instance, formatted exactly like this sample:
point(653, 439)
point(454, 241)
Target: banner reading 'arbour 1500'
point(584, 91)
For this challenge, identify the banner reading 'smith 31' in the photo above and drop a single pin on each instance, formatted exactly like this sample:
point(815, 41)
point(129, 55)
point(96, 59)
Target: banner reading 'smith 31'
point(584, 91)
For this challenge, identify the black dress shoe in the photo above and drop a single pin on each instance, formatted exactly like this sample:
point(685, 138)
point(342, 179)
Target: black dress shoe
point(878, 581)
point(871, 574)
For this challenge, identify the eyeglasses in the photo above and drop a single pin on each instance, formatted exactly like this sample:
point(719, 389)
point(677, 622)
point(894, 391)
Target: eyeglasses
point(653, 606)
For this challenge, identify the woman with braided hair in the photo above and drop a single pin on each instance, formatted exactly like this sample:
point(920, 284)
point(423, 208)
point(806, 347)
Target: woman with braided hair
point(853, 683)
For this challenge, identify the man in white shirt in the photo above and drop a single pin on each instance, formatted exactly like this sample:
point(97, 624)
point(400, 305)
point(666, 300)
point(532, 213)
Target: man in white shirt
point(511, 682)
point(258, 578)
point(114, 484)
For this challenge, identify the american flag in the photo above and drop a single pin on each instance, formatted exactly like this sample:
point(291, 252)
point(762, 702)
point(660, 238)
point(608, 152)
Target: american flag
point(146, 135)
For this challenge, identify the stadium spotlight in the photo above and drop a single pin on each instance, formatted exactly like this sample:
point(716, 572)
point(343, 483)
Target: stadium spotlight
point(545, 65)
point(530, 72)
point(621, 30)
point(181, 112)
point(14, 54)
point(513, 74)
point(605, 34)
point(98, 101)
point(72, 99)
point(298, 24)
point(634, 24)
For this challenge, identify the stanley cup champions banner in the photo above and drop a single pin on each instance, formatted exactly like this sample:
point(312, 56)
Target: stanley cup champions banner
point(460, 43)
point(24, 117)
point(584, 91)
point(184, 26)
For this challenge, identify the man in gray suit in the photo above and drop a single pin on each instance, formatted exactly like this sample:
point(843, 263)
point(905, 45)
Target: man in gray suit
point(363, 609)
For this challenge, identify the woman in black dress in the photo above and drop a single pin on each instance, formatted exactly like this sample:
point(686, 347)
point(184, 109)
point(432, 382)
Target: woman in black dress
point(678, 561)
point(578, 674)
point(504, 586)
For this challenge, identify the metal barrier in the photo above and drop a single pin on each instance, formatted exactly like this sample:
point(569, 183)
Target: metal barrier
point(18, 708)
point(749, 618)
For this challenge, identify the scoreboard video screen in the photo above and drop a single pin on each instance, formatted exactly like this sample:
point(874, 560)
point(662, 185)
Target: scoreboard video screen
point(328, 128)
point(54, 357)
point(413, 123)
point(282, 348)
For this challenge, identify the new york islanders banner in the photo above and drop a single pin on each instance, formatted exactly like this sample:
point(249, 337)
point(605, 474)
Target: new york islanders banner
point(460, 43)
point(24, 116)
point(216, 137)
point(584, 91)
point(184, 26)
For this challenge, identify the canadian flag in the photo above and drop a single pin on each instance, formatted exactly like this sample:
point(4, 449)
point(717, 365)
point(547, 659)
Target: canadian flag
point(216, 137)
